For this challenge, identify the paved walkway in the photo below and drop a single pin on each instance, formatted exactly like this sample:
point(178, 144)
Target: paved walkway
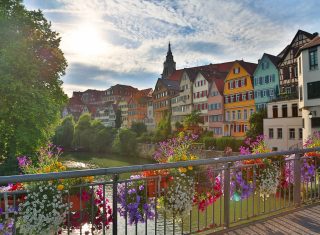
point(305, 221)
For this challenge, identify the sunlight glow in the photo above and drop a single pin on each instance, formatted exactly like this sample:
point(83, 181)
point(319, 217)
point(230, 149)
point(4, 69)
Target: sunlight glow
point(85, 40)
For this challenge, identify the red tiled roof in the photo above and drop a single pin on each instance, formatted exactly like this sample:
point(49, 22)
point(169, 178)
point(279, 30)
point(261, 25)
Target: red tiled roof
point(176, 75)
point(249, 67)
point(75, 100)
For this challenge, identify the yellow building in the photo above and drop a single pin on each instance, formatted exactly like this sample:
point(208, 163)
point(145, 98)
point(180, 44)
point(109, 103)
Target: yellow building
point(238, 99)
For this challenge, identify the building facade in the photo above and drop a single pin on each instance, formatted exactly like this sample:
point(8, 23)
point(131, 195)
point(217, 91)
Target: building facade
point(288, 70)
point(238, 99)
point(309, 86)
point(266, 81)
point(123, 107)
point(283, 127)
point(216, 106)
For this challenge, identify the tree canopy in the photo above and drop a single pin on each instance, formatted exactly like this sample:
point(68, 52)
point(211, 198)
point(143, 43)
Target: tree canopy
point(256, 123)
point(31, 66)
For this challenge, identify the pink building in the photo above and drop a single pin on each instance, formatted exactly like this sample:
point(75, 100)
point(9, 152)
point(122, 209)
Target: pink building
point(215, 104)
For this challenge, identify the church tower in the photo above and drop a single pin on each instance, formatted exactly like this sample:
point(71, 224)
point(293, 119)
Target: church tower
point(169, 66)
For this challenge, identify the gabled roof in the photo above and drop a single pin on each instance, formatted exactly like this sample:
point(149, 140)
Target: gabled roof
point(249, 67)
point(172, 85)
point(314, 42)
point(287, 49)
point(176, 75)
point(274, 59)
point(206, 70)
point(75, 100)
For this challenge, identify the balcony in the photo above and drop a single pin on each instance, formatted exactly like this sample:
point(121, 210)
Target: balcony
point(217, 196)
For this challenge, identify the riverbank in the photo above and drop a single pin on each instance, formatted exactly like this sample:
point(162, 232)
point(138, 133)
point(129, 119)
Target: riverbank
point(84, 160)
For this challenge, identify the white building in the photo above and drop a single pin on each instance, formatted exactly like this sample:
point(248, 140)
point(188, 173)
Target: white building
point(283, 127)
point(200, 97)
point(309, 86)
point(150, 118)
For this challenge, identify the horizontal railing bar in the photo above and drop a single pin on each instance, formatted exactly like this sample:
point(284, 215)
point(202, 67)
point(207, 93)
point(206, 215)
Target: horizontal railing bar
point(139, 168)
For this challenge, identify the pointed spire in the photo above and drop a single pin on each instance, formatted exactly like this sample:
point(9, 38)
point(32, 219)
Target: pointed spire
point(169, 48)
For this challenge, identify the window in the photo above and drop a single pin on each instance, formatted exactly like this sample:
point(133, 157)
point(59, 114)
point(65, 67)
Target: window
point(231, 98)
point(279, 132)
point(251, 111)
point(260, 80)
point(266, 79)
point(284, 110)
point(292, 134)
point(244, 96)
point(270, 133)
point(250, 95)
point(239, 114)
point(300, 93)
point(245, 128)
point(313, 58)
point(264, 93)
point(294, 110)
point(313, 90)
point(227, 116)
point(237, 97)
point(275, 111)
point(288, 90)
point(231, 84)
point(271, 92)
point(245, 114)
point(233, 115)
point(226, 100)
point(300, 133)
point(315, 122)
point(243, 81)
point(236, 70)
point(236, 83)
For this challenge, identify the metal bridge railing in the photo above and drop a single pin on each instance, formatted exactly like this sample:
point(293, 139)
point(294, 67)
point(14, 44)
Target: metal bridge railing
point(222, 209)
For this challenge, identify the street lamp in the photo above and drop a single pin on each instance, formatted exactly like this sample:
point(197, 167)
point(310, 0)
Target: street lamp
point(312, 113)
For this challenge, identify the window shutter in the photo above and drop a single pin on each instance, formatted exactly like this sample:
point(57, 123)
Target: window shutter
point(228, 85)
point(239, 83)
point(245, 81)
point(247, 96)
point(240, 97)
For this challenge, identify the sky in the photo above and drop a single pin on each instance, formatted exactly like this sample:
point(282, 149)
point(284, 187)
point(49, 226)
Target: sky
point(108, 42)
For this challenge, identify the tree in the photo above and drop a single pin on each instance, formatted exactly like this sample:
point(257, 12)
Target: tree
point(256, 123)
point(118, 121)
point(64, 133)
point(31, 65)
point(139, 128)
point(83, 132)
point(163, 130)
point(193, 119)
point(125, 142)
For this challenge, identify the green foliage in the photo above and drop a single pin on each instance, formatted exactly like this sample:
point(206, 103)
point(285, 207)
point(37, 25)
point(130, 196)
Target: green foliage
point(193, 119)
point(256, 123)
point(92, 135)
point(221, 143)
point(125, 142)
point(118, 120)
point(146, 137)
point(139, 128)
point(64, 133)
point(163, 130)
point(178, 125)
point(31, 65)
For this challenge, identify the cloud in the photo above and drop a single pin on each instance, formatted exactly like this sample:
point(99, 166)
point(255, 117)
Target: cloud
point(83, 77)
point(110, 41)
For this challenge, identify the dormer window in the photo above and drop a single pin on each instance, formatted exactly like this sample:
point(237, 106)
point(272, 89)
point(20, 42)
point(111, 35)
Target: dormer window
point(236, 70)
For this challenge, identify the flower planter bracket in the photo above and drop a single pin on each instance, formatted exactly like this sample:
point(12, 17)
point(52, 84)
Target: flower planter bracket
point(297, 180)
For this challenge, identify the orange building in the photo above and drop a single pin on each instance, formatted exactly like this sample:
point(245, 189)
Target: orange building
point(138, 106)
point(238, 99)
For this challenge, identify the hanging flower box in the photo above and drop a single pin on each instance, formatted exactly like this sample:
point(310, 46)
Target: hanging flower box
point(152, 184)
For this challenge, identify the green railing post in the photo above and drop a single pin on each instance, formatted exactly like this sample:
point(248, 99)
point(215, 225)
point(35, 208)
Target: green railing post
point(297, 180)
point(226, 186)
